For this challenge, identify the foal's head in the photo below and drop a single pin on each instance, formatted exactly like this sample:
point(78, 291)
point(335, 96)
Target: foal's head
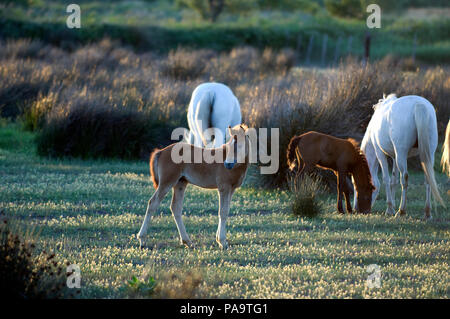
point(237, 148)
point(363, 183)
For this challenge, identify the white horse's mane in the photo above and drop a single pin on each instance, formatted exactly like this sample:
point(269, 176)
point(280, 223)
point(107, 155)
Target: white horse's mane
point(385, 99)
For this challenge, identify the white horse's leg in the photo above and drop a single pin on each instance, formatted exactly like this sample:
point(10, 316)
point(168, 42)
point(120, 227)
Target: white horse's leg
point(176, 208)
point(394, 180)
point(224, 207)
point(401, 161)
point(386, 180)
point(152, 206)
point(428, 201)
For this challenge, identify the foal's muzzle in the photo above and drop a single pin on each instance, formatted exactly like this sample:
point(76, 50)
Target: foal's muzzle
point(229, 165)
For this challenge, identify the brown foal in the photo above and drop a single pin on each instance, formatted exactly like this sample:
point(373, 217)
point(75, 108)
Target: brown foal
point(341, 156)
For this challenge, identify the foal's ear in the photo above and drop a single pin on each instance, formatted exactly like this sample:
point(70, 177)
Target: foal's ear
point(229, 131)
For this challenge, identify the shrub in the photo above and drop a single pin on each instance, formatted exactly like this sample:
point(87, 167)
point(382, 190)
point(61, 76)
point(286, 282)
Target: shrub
point(185, 65)
point(304, 191)
point(345, 8)
point(339, 104)
point(25, 275)
point(96, 131)
point(170, 284)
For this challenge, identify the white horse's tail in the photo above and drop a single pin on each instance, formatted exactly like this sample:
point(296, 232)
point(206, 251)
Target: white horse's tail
point(445, 160)
point(421, 117)
point(203, 116)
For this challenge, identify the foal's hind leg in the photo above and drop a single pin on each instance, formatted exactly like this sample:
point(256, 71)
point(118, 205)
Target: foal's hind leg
point(177, 207)
point(152, 206)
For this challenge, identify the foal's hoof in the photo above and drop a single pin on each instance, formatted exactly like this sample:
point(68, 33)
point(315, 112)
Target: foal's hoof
point(427, 218)
point(390, 212)
point(188, 244)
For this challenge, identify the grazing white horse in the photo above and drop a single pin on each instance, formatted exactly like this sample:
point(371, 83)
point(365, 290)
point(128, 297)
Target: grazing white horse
point(401, 128)
point(212, 109)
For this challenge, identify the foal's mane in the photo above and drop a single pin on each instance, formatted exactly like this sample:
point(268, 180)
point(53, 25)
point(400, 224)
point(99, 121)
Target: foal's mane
point(362, 161)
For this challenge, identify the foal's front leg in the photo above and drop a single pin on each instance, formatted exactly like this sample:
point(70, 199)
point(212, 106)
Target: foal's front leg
point(177, 208)
point(224, 207)
point(340, 190)
point(152, 206)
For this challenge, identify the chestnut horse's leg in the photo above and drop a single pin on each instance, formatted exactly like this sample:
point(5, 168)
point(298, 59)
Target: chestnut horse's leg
point(177, 208)
point(347, 196)
point(225, 195)
point(340, 190)
point(152, 206)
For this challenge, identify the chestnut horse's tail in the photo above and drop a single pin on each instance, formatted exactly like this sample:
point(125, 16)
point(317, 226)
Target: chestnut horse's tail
point(445, 160)
point(154, 166)
point(291, 153)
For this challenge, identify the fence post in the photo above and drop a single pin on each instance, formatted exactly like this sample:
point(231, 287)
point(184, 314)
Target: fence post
point(324, 48)
point(299, 46)
point(349, 45)
point(366, 48)
point(310, 45)
point(336, 52)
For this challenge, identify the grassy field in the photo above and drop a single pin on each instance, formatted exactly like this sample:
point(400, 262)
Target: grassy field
point(162, 25)
point(88, 213)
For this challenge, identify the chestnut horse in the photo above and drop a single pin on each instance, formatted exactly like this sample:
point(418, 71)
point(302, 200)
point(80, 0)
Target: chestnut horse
point(225, 174)
point(341, 156)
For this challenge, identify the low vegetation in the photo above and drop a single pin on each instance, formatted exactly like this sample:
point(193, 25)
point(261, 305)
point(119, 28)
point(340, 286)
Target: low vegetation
point(89, 211)
point(25, 274)
point(105, 100)
point(305, 191)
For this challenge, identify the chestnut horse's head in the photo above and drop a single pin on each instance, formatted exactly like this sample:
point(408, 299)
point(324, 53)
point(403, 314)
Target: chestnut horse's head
point(363, 184)
point(237, 148)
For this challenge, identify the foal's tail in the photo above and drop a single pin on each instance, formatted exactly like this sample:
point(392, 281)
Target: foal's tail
point(445, 160)
point(154, 166)
point(291, 153)
point(422, 119)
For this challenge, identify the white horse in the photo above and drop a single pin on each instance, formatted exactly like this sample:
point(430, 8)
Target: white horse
point(445, 160)
point(212, 109)
point(401, 128)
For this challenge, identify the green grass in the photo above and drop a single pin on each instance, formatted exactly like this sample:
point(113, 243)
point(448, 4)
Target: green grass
point(88, 213)
point(161, 26)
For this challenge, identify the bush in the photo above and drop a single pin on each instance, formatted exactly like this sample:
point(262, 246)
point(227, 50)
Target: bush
point(172, 284)
point(345, 8)
point(90, 131)
point(304, 191)
point(25, 275)
point(185, 65)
